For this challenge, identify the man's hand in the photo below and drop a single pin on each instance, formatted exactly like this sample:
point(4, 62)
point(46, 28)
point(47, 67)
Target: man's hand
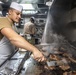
point(38, 56)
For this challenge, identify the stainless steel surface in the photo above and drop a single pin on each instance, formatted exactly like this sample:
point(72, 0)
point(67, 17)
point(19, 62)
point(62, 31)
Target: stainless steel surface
point(20, 67)
point(11, 66)
point(31, 67)
point(51, 63)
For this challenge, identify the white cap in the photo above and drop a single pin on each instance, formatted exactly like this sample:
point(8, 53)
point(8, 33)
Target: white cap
point(16, 6)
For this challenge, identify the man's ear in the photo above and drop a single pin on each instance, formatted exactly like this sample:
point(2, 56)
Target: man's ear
point(10, 11)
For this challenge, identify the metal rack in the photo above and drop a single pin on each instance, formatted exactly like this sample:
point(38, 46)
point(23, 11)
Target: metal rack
point(14, 64)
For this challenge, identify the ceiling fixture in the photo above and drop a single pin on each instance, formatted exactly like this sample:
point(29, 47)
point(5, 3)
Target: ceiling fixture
point(49, 3)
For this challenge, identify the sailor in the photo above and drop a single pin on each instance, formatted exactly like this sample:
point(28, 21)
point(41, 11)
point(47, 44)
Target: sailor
point(30, 30)
point(9, 39)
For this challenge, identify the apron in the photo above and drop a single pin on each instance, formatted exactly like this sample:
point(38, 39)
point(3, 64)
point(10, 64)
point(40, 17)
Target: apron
point(6, 49)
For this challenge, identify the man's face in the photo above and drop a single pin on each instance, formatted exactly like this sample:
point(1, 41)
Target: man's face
point(15, 15)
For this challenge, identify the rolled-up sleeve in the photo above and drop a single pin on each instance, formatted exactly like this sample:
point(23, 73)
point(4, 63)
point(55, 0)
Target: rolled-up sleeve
point(4, 23)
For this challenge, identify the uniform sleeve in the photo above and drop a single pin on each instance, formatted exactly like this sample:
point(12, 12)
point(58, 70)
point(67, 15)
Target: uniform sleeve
point(5, 24)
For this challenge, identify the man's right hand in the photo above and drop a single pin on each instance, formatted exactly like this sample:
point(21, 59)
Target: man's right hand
point(38, 56)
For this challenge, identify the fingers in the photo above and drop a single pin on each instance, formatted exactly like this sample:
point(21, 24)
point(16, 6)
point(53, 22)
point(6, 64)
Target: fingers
point(41, 59)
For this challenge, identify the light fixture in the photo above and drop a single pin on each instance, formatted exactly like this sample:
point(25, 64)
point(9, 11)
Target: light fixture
point(49, 3)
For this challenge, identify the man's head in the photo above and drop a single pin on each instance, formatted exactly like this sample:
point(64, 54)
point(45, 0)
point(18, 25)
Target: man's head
point(15, 11)
point(32, 19)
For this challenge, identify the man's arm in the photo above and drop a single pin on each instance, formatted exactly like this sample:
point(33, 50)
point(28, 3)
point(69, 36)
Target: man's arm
point(16, 39)
point(20, 42)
